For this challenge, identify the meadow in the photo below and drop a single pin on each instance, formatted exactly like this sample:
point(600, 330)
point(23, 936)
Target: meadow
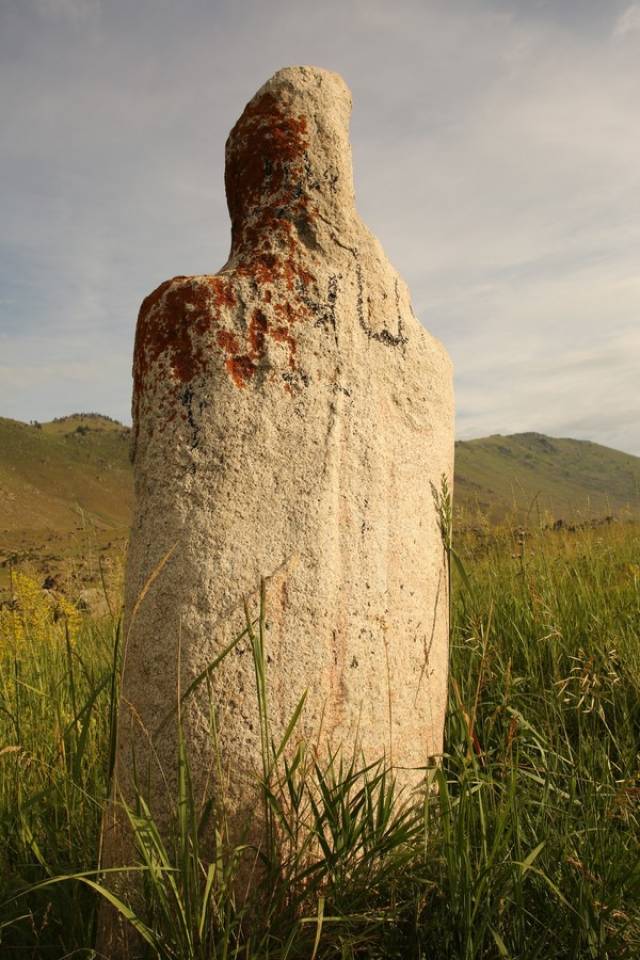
point(526, 846)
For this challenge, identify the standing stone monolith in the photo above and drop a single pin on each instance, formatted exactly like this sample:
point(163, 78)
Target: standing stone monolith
point(290, 414)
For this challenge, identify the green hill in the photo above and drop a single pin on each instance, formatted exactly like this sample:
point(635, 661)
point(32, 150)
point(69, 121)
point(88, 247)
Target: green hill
point(64, 474)
point(66, 488)
point(65, 493)
point(529, 473)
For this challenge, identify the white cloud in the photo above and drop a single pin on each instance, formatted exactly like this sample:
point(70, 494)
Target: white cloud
point(628, 21)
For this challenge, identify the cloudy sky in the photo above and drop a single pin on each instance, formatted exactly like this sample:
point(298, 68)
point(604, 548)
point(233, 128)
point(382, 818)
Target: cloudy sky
point(496, 153)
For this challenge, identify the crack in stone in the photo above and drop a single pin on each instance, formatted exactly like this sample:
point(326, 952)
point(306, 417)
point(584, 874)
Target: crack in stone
point(381, 336)
point(186, 398)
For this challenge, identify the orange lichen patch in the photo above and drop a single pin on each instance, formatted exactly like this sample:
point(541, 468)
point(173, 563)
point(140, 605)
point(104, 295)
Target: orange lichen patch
point(267, 268)
point(152, 301)
point(264, 268)
point(283, 335)
point(285, 312)
point(258, 327)
point(165, 324)
point(266, 182)
point(261, 149)
point(228, 341)
point(222, 289)
point(295, 272)
point(241, 369)
point(267, 190)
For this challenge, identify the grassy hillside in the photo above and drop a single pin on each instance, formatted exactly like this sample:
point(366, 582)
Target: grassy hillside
point(65, 487)
point(529, 473)
point(55, 474)
point(66, 490)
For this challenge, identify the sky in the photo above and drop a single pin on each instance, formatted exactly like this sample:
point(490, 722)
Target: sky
point(496, 152)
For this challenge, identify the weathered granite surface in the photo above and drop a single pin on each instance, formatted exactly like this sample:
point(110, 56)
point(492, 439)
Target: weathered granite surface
point(289, 415)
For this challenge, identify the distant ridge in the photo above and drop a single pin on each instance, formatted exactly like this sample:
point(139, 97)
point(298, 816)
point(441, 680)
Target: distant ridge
point(56, 475)
point(73, 474)
point(530, 473)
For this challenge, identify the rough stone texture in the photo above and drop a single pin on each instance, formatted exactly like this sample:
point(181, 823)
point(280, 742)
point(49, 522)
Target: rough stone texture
point(289, 414)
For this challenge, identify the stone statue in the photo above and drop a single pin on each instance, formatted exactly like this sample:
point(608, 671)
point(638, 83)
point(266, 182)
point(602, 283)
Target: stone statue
point(290, 414)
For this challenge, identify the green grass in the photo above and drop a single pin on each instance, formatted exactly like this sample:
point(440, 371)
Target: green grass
point(527, 845)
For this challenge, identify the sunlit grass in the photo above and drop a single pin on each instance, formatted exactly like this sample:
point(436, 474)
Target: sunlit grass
point(527, 845)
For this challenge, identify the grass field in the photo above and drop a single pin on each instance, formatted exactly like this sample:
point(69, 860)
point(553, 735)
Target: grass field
point(527, 847)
